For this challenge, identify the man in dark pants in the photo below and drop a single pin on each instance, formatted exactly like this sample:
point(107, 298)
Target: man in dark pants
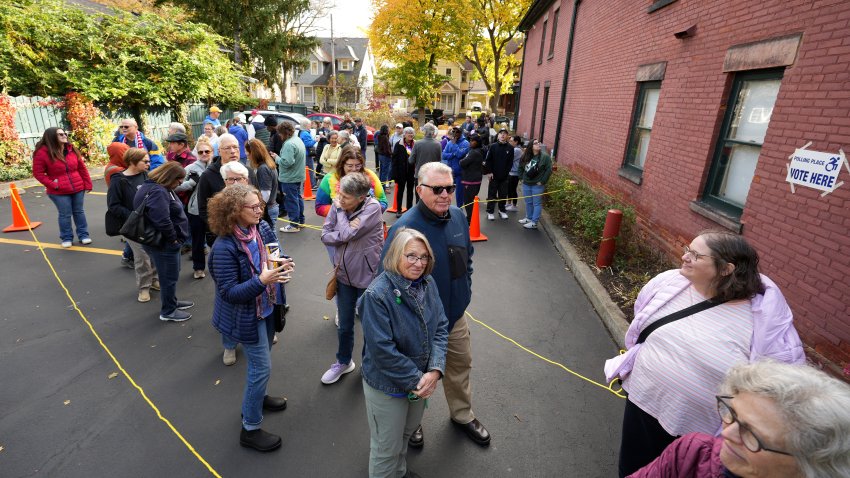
point(361, 134)
point(497, 167)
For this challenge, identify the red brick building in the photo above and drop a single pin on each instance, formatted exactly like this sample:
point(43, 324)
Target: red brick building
point(689, 112)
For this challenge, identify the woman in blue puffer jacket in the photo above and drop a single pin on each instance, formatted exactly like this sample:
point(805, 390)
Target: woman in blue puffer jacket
point(246, 292)
point(456, 149)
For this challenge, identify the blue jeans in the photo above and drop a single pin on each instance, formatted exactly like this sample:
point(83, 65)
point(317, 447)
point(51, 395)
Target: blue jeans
point(346, 303)
point(274, 211)
point(386, 163)
point(259, 369)
point(128, 252)
point(533, 205)
point(167, 261)
point(293, 202)
point(71, 205)
point(310, 165)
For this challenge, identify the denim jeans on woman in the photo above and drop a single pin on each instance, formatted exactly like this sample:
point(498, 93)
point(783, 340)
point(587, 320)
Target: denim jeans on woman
point(386, 168)
point(259, 369)
point(346, 304)
point(167, 261)
point(533, 205)
point(71, 205)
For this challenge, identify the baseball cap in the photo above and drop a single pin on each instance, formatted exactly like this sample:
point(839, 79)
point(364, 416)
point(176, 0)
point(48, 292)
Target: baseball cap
point(215, 109)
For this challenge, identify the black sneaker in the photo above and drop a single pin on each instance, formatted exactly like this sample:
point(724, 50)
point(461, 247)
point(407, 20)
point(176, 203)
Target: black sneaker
point(176, 316)
point(259, 440)
point(127, 262)
point(185, 304)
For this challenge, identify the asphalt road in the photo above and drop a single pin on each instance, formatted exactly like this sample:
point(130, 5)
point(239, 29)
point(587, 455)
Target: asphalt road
point(62, 415)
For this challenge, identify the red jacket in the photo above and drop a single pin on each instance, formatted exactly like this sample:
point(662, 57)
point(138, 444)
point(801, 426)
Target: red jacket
point(695, 455)
point(61, 177)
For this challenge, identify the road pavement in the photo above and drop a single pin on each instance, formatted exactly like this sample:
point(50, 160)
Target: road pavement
point(62, 414)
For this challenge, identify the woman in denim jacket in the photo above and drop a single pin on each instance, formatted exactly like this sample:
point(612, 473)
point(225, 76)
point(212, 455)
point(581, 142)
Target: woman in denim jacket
point(405, 332)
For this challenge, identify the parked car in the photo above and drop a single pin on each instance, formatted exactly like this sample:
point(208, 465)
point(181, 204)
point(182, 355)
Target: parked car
point(336, 120)
point(294, 118)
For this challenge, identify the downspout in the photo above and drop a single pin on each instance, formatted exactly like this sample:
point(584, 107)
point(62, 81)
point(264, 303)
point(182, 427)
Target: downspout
point(566, 79)
point(518, 93)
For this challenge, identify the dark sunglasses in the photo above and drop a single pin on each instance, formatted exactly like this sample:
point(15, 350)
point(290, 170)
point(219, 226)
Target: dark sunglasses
point(123, 127)
point(204, 152)
point(439, 189)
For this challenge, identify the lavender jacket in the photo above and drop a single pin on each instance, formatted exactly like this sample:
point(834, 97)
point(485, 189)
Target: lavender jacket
point(358, 250)
point(774, 334)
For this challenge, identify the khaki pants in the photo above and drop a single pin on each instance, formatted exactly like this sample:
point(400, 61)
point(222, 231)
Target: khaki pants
point(456, 379)
point(144, 267)
point(391, 422)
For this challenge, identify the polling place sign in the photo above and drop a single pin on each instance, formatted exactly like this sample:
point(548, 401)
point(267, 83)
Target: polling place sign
point(815, 169)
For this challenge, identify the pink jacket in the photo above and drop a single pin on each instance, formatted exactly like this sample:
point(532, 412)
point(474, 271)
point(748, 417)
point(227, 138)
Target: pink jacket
point(695, 455)
point(61, 177)
point(774, 334)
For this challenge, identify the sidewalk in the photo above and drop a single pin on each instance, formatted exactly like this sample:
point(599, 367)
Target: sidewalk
point(96, 172)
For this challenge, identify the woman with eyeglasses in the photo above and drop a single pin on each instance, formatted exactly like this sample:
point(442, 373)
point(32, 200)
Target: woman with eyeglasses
point(350, 160)
point(211, 136)
point(535, 168)
point(779, 421)
point(165, 211)
point(249, 271)
point(119, 200)
point(405, 332)
point(403, 171)
point(197, 226)
point(59, 166)
point(354, 229)
point(691, 326)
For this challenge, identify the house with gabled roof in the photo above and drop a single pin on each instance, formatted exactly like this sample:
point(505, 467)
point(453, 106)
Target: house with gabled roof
point(355, 74)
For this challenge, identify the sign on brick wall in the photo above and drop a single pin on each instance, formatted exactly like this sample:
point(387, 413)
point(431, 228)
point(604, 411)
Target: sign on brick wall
point(816, 169)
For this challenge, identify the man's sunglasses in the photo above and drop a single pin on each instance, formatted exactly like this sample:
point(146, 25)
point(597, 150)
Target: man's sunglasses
point(439, 189)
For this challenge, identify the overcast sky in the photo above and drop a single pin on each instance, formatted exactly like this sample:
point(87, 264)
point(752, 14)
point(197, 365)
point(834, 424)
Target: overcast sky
point(351, 19)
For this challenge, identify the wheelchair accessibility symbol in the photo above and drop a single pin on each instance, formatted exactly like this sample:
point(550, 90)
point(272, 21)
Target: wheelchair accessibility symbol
point(832, 165)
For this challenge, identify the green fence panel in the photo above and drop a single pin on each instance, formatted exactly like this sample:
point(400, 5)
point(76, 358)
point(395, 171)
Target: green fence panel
point(31, 119)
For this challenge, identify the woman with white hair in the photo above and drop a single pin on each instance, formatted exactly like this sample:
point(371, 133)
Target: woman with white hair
point(779, 421)
point(309, 144)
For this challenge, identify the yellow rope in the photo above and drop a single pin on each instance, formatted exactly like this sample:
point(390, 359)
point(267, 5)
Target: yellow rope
point(108, 351)
point(608, 387)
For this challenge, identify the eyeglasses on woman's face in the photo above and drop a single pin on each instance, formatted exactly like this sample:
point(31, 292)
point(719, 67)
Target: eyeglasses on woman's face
point(254, 207)
point(694, 255)
point(204, 151)
point(61, 134)
point(748, 438)
point(413, 259)
point(353, 166)
point(237, 179)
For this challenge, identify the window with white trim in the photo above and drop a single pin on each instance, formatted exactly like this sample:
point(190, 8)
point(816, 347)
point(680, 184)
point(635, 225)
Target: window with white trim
point(314, 68)
point(346, 65)
point(307, 94)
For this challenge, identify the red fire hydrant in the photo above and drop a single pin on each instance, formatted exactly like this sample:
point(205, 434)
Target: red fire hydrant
point(609, 238)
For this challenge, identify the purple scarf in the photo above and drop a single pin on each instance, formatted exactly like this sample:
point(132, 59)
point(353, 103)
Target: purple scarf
point(243, 240)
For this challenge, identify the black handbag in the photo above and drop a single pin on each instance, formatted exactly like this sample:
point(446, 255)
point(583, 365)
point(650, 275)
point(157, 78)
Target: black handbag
point(113, 224)
point(138, 229)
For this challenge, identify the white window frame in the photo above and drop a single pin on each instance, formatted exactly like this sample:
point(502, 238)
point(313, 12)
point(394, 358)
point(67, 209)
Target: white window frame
point(304, 97)
point(314, 68)
point(346, 65)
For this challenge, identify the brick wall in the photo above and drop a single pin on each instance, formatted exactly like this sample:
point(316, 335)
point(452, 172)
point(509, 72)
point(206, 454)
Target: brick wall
point(803, 239)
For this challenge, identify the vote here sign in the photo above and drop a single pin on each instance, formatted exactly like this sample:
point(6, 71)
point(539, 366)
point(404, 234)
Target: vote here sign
point(815, 169)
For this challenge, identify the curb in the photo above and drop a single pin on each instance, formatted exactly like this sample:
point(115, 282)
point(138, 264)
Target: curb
point(95, 172)
point(612, 317)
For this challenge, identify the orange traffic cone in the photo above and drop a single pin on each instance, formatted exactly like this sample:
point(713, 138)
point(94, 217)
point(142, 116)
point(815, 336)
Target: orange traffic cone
point(393, 208)
point(308, 186)
point(20, 219)
point(475, 225)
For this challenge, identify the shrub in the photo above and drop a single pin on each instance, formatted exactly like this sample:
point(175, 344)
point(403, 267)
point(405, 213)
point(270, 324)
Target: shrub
point(581, 211)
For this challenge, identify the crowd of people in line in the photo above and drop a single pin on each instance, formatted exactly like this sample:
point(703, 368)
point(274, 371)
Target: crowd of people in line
point(714, 372)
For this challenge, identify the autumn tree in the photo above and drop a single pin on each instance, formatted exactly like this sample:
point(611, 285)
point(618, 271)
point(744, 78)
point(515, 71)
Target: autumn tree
point(496, 26)
point(410, 36)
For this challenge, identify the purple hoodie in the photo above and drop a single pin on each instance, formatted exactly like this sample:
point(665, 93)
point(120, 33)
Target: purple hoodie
point(695, 455)
point(358, 250)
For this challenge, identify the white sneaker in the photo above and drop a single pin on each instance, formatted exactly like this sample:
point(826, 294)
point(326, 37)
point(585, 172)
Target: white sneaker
point(289, 228)
point(530, 225)
point(503, 215)
point(67, 244)
point(490, 216)
point(86, 241)
point(336, 320)
point(229, 357)
point(336, 371)
point(524, 220)
point(511, 207)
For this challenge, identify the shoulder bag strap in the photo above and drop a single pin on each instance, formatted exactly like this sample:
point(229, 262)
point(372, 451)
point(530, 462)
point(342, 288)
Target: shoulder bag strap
point(681, 314)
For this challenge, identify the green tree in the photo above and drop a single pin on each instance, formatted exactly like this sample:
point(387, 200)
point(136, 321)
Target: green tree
point(269, 37)
point(409, 36)
point(48, 48)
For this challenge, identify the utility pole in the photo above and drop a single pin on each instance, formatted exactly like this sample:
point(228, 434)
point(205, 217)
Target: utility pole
point(333, 66)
